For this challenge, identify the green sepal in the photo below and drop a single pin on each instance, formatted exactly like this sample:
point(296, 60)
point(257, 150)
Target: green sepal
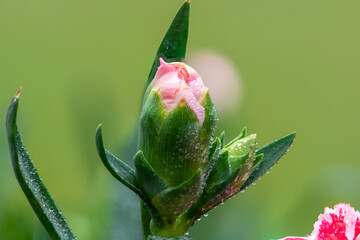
point(228, 163)
point(120, 170)
point(30, 181)
point(173, 45)
point(226, 177)
point(257, 160)
point(236, 162)
point(174, 201)
point(272, 153)
point(212, 196)
point(174, 143)
point(216, 189)
point(146, 177)
point(242, 146)
point(214, 153)
point(220, 170)
point(222, 138)
point(240, 136)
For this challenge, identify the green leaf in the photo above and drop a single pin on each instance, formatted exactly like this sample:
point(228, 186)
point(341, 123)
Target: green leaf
point(120, 170)
point(173, 45)
point(272, 153)
point(30, 181)
point(146, 176)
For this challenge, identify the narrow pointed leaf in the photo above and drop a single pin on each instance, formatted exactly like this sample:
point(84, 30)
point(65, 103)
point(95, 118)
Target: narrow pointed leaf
point(146, 176)
point(272, 153)
point(120, 170)
point(173, 45)
point(30, 181)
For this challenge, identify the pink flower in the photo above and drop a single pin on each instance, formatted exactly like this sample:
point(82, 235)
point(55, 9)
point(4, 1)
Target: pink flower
point(179, 84)
point(340, 223)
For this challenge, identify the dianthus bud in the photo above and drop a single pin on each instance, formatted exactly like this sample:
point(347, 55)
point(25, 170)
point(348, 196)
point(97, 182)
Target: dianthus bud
point(177, 123)
point(231, 170)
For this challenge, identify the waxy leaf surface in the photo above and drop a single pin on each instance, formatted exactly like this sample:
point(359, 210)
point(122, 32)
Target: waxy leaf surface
point(30, 181)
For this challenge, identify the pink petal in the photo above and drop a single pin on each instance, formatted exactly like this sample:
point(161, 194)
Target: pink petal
point(195, 106)
point(340, 223)
point(357, 227)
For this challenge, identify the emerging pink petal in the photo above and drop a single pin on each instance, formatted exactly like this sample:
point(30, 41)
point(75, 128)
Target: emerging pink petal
point(179, 84)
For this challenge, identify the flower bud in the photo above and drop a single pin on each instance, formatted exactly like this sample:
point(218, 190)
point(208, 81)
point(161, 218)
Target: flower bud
point(241, 156)
point(240, 147)
point(231, 170)
point(177, 123)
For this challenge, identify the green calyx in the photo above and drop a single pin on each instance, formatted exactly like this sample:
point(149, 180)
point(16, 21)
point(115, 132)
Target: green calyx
point(174, 143)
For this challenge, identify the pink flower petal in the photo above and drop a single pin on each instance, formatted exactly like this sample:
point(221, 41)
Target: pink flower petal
point(340, 223)
point(357, 227)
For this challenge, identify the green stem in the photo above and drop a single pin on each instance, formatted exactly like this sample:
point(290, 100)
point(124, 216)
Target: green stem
point(145, 220)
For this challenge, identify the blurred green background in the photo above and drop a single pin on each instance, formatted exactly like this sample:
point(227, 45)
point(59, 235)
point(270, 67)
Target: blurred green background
point(85, 62)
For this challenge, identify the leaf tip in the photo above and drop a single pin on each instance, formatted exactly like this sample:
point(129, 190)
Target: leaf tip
point(98, 135)
point(291, 136)
point(99, 128)
point(139, 154)
point(17, 95)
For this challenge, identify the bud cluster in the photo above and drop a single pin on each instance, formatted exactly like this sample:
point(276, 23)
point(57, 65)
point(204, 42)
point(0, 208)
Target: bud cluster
point(181, 170)
point(194, 173)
